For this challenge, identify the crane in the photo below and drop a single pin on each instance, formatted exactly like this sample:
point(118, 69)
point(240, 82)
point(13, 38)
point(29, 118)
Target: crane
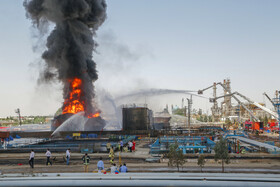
point(232, 94)
point(201, 91)
point(274, 114)
point(270, 100)
point(213, 100)
point(214, 108)
point(239, 102)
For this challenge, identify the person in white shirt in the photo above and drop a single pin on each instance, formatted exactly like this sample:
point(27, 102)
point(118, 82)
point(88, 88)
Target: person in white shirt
point(100, 165)
point(31, 159)
point(48, 155)
point(130, 144)
point(67, 156)
point(113, 168)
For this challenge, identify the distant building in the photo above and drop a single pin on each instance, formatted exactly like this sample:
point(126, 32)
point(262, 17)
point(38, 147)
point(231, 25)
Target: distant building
point(161, 120)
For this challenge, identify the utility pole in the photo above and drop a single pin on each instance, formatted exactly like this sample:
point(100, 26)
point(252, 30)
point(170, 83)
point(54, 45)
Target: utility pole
point(19, 117)
point(189, 113)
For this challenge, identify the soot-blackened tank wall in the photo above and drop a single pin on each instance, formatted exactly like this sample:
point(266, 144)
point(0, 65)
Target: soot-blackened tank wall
point(137, 118)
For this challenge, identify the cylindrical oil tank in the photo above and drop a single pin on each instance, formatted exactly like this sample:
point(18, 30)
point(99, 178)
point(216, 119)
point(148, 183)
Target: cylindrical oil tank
point(136, 118)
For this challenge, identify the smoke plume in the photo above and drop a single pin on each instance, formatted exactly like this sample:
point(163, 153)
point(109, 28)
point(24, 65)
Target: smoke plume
point(70, 44)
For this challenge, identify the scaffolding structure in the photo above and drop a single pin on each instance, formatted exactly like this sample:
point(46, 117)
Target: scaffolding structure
point(276, 103)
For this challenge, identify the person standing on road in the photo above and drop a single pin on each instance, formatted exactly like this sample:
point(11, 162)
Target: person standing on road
point(31, 159)
point(86, 160)
point(133, 145)
point(121, 145)
point(100, 165)
point(108, 145)
point(67, 156)
point(48, 155)
point(112, 155)
point(130, 146)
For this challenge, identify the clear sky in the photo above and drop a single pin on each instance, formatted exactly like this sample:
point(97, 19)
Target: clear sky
point(178, 44)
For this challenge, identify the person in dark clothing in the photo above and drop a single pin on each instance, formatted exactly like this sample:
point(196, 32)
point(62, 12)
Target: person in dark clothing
point(86, 160)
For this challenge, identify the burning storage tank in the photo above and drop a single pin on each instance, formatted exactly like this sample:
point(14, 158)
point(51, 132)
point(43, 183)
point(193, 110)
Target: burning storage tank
point(69, 56)
point(73, 105)
point(137, 117)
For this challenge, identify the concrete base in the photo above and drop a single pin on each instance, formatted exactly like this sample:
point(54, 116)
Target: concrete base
point(140, 179)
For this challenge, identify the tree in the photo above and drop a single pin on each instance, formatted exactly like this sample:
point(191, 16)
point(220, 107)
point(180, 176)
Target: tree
point(180, 111)
point(201, 161)
point(210, 118)
point(200, 118)
point(39, 119)
point(175, 156)
point(265, 121)
point(221, 152)
point(205, 118)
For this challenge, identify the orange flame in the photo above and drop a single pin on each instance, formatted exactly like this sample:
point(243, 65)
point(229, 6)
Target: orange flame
point(73, 103)
point(94, 115)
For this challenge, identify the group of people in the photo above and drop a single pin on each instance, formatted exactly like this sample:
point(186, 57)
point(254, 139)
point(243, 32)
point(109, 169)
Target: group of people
point(110, 149)
point(130, 146)
point(86, 161)
point(48, 155)
point(100, 165)
point(121, 169)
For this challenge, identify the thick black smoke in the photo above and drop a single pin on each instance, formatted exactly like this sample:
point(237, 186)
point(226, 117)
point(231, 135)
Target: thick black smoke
point(70, 44)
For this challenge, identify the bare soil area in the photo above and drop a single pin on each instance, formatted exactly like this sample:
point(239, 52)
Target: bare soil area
point(18, 163)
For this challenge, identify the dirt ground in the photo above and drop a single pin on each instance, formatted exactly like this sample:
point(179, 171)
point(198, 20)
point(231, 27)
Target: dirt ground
point(135, 161)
